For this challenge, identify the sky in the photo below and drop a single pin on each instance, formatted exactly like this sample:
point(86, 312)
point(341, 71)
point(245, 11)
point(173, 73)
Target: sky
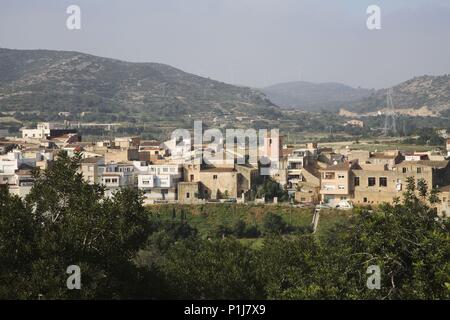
point(247, 42)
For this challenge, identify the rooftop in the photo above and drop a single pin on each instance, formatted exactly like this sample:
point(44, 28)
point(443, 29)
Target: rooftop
point(428, 163)
point(91, 160)
point(218, 170)
point(342, 166)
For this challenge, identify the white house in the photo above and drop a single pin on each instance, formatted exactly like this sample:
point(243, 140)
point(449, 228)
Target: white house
point(159, 182)
point(42, 130)
point(11, 162)
point(115, 176)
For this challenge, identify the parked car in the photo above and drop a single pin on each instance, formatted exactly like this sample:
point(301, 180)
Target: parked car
point(323, 206)
point(344, 205)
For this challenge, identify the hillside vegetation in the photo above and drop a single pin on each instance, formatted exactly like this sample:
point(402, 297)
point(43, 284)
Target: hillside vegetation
point(58, 81)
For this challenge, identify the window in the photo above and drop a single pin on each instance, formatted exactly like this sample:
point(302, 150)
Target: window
point(383, 182)
point(91, 168)
point(188, 195)
point(341, 176)
point(340, 187)
point(371, 181)
point(328, 175)
point(419, 170)
point(404, 170)
point(356, 181)
point(365, 200)
point(215, 177)
point(108, 180)
point(192, 178)
point(165, 169)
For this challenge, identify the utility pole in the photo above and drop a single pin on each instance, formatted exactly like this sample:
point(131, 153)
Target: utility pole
point(390, 119)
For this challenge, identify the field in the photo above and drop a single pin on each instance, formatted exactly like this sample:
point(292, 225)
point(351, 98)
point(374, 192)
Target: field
point(205, 218)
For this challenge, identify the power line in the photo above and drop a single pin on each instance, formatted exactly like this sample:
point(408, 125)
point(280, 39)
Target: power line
point(390, 124)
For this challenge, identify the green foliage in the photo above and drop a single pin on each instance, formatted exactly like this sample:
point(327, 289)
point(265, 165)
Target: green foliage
point(271, 189)
point(274, 224)
point(105, 93)
point(64, 221)
point(241, 229)
point(422, 187)
point(434, 196)
point(126, 252)
point(218, 269)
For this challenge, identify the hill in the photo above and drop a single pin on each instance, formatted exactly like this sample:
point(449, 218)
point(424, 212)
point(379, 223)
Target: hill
point(425, 94)
point(59, 81)
point(314, 96)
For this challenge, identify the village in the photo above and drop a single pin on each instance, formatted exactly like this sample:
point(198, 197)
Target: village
point(174, 172)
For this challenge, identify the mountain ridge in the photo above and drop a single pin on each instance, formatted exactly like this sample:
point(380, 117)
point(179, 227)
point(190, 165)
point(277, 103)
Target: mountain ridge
point(310, 96)
point(54, 81)
point(425, 92)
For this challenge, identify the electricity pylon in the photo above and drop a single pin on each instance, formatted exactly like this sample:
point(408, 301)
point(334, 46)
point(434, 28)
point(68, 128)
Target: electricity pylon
point(390, 124)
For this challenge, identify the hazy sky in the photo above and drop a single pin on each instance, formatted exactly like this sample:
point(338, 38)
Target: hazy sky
point(249, 42)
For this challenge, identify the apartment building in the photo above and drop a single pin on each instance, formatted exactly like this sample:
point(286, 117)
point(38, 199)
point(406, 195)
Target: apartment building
point(375, 184)
point(115, 176)
point(159, 182)
point(220, 182)
point(89, 168)
point(121, 155)
point(296, 164)
point(126, 142)
point(21, 183)
point(335, 183)
point(10, 162)
point(47, 130)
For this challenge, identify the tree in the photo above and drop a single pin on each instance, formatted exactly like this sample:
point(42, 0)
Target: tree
point(274, 224)
point(434, 196)
point(241, 229)
point(217, 269)
point(238, 228)
point(65, 221)
point(422, 187)
point(406, 240)
point(271, 189)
